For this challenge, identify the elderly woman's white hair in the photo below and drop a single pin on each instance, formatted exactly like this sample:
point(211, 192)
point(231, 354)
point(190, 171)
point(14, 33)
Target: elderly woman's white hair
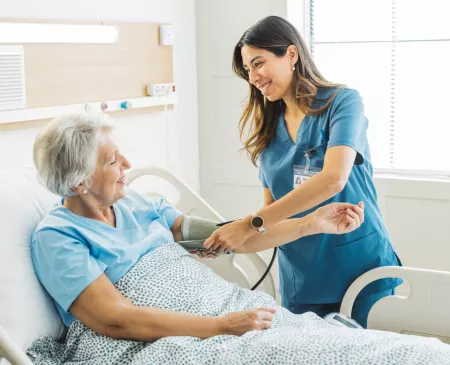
point(65, 152)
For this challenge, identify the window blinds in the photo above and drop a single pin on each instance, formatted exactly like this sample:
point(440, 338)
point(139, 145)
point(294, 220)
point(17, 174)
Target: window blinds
point(396, 53)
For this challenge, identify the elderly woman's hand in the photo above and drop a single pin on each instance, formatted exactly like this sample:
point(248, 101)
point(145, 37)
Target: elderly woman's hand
point(205, 254)
point(238, 323)
point(230, 236)
point(336, 218)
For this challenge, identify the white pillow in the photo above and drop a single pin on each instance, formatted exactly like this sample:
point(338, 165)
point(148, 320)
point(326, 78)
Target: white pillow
point(26, 309)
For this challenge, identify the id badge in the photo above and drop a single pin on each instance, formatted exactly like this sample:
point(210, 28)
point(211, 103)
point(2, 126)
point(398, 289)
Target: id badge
point(302, 174)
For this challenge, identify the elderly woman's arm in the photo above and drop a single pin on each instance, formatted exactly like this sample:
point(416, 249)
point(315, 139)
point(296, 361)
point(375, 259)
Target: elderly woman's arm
point(105, 310)
point(176, 229)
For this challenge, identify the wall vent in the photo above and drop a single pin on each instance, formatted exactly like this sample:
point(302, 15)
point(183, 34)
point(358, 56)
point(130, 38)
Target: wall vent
point(12, 78)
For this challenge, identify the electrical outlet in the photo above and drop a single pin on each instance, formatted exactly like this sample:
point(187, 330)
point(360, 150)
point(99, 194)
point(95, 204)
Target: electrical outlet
point(160, 89)
point(166, 34)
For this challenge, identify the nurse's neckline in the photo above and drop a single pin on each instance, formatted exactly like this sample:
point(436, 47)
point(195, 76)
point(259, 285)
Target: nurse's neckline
point(300, 131)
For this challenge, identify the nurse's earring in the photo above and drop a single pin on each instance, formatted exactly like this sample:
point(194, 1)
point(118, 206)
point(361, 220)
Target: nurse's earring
point(293, 67)
point(84, 191)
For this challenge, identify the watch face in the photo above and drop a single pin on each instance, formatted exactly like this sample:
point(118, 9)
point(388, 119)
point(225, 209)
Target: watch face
point(257, 222)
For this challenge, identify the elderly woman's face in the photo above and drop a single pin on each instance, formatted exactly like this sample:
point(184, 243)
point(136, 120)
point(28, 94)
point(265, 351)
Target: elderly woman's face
point(108, 182)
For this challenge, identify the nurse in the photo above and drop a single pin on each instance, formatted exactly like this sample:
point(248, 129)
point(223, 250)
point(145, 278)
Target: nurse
point(310, 138)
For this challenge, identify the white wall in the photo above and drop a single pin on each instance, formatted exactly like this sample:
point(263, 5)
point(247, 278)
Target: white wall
point(101, 10)
point(142, 136)
point(228, 180)
point(136, 133)
point(416, 211)
point(185, 73)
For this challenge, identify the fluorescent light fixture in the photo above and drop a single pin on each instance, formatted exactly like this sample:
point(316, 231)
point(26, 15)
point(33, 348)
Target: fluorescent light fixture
point(19, 33)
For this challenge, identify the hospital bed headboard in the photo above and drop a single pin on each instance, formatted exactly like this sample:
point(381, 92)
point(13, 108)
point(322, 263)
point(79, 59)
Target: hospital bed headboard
point(425, 312)
point(190, 203)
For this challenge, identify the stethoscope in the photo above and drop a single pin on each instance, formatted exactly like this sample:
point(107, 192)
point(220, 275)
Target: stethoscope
point(269, 267)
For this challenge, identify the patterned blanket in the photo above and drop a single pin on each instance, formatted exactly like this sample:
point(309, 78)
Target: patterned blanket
point(169, 278)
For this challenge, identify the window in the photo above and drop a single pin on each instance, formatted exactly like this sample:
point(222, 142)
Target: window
point(396, 53)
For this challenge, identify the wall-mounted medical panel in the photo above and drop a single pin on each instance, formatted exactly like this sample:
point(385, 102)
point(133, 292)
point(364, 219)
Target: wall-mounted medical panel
point(70, 73)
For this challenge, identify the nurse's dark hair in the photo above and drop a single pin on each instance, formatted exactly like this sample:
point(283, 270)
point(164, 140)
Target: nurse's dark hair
point(275, 35)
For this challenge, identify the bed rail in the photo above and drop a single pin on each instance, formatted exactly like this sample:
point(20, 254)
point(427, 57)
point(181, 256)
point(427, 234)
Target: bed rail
point(425, 311)
point(11, 352)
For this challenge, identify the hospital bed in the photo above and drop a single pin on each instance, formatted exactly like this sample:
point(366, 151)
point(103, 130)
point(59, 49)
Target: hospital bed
point(23, 202)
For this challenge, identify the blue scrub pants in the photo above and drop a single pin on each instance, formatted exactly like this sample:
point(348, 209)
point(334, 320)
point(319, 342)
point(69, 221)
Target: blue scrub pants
point(360, 311)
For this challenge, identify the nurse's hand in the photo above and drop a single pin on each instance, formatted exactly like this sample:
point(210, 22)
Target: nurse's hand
point(337, 218)
point(230, 236)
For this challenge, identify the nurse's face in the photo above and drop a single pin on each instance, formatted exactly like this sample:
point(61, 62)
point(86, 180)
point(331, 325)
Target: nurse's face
point(270, 74)
point(108, 183)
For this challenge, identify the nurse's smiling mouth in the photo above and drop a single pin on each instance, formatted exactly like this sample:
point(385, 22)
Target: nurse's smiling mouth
point(265, 87)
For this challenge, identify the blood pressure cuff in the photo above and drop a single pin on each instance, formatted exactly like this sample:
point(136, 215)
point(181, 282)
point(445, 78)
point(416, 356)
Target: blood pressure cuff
point(196, 228)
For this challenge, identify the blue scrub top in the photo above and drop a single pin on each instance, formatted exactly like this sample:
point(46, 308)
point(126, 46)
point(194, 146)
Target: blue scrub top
point(69, 251)
point(320, 268)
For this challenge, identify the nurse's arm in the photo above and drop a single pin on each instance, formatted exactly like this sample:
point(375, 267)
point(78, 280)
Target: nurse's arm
point(268, 197)
point(281, 233)
point(338, 164)
point(333, 218)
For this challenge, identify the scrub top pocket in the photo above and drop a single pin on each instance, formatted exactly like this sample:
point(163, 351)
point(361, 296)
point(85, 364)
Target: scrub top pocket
point(358, 257)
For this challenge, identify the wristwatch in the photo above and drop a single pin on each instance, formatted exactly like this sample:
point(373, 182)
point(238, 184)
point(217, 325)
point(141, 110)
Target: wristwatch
point(258, 222)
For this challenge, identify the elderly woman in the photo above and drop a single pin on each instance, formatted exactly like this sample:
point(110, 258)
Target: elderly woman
point(107, 256)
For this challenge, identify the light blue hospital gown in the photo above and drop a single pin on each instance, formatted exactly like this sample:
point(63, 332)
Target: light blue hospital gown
point(69, 251)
